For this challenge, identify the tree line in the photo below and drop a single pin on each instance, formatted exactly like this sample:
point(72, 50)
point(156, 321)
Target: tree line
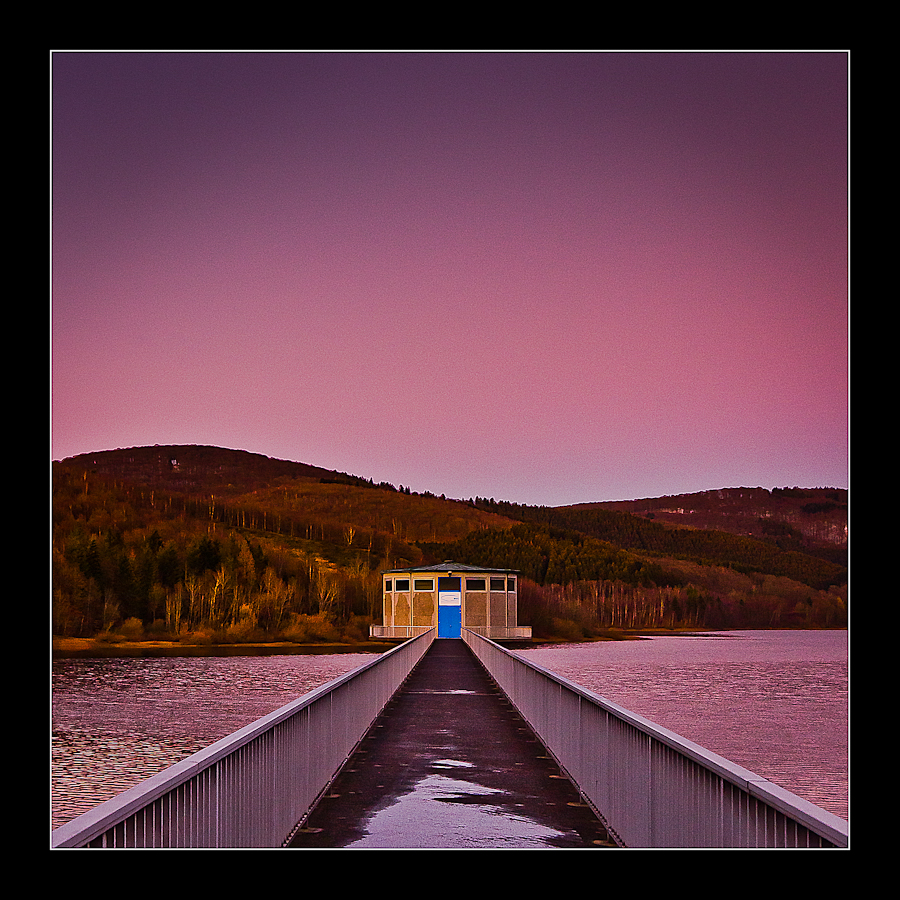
point(229, 588)
point(577, 586)
point(721, 548)
point(548, 555)
point(585, 609)
point(160, 564)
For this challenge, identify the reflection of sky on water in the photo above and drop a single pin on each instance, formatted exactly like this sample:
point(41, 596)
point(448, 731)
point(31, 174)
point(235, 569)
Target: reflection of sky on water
point(90, 767)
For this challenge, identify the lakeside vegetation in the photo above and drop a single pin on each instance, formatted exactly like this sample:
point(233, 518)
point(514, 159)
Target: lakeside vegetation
point(202, 545)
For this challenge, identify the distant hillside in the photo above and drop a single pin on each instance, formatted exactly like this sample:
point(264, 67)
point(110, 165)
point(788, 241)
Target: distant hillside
point(206, 543)
point(811, 520)
point(194, 467)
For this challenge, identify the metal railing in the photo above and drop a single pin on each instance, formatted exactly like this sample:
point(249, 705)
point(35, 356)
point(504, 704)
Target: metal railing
point(502, 632)
point(494, 632)
point(398, 631)
point(651, 787)
point(252, 788)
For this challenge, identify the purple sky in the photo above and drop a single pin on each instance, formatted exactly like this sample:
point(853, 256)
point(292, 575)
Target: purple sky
point(549, 278)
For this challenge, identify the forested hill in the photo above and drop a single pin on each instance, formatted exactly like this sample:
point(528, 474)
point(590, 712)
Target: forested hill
point(711, 524)
point(808, 519)
point(226, 545)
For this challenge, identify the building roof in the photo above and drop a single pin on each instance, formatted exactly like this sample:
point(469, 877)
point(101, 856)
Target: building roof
point(450, 566)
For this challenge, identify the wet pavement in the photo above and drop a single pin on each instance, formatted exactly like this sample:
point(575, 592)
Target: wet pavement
point(449, 764)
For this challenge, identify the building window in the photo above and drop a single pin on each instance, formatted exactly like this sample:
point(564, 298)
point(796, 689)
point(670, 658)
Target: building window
point(475, 584)
point(498, 584)
point(512, 584)
point(402, 584)
point(423, 584)
point(387, 585)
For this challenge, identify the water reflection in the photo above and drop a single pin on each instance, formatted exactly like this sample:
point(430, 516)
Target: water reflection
point(90, 767)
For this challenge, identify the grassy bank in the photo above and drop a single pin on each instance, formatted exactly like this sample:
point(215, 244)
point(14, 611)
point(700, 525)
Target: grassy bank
point(201, 645)
point(72, 648)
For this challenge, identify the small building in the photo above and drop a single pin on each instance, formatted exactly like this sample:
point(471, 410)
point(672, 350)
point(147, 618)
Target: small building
point(449, 597)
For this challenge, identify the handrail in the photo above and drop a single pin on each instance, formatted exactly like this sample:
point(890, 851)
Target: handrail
point(652, 787)
point(252, 788)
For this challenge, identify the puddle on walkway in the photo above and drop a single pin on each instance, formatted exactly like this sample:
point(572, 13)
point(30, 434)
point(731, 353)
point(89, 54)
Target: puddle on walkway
point(452, 764)
point(452, 691)
point(445, 812)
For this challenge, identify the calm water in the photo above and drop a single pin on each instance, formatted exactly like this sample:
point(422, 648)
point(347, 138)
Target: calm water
point(774, 702)
point(118, 721)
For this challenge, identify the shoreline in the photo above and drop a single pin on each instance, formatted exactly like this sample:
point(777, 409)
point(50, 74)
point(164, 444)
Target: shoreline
point(92, 648)
point(69, 647)
point(95, 648)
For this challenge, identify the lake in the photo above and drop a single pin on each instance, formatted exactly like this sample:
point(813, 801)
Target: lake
point(774, 702)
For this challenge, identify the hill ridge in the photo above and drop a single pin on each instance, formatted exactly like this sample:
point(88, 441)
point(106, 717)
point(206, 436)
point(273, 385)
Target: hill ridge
point(185, 454)
point(180, 465)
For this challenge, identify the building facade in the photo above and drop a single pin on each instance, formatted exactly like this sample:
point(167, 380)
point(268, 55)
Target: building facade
point(449, 597)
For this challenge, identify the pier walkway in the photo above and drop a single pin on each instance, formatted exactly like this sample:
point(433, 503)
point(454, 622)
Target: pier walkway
point(450, 764)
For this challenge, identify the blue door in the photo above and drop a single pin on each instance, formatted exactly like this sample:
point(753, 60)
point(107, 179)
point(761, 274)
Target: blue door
point(449, 608)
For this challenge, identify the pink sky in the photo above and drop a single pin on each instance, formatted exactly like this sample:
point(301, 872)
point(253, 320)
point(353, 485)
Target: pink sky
point(548, 278)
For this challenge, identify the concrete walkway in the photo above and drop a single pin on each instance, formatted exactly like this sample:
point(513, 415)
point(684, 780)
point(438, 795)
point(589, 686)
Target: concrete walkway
point(449, 764)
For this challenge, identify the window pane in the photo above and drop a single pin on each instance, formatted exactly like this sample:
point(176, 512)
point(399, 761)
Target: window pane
point(387, 584)
point(424, 584)
point(402, 584)
point(512, 584)
point(498, 584)
point(475, 584)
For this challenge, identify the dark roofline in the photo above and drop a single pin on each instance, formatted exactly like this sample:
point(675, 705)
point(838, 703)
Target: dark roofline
point(449, 566)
